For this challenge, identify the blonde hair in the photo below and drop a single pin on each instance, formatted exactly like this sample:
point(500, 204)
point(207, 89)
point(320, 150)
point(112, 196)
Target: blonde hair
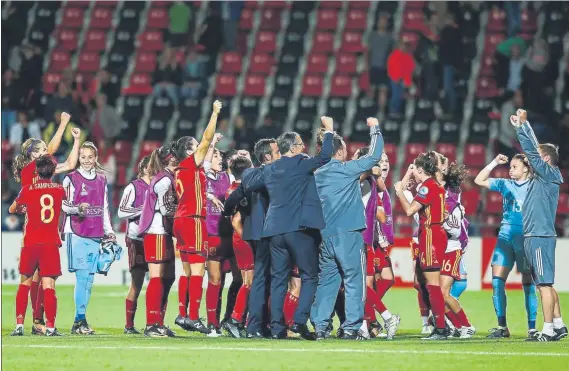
point(25, 157)
point(90, 145)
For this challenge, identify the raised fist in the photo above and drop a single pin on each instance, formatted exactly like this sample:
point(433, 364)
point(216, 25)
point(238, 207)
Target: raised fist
point(65, 117)
point(372, 121)
point(76, 132)
point(217, 107)
point(501, 159)
point(327, 123)
point(522, 116)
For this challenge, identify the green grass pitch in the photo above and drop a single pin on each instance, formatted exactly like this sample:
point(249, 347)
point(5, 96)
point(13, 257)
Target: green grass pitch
point(109, 349)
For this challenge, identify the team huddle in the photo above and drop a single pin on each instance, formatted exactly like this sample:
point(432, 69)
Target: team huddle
point(303, 237)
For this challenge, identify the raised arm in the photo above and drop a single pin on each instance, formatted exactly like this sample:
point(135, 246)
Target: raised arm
point(71, 161)
point(482, 177)
point(209, 155)
point(312, 163)
point(54, 143)
point(367, 162)
point(208, 134)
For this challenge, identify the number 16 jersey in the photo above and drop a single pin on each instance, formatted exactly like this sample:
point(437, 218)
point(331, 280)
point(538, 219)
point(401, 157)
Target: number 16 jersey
point(43, 201)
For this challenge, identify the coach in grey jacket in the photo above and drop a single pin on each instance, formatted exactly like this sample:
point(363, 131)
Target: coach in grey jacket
point(342, 254)
point(540, 207)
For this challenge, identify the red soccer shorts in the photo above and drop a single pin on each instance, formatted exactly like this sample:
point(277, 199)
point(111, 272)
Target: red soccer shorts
point(158, 248)
point(191, 235)
point(243, 253)
point(136, 254)
point(294, 272)
point(370, 257)
point(44, 257)
point(381, 259)
point(432, 246)
point(451, 264)
point(188, 257)
point(218, 248)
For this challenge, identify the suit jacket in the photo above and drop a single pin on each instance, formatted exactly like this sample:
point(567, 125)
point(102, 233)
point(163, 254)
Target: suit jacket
point(252, 206)
point(294, 203)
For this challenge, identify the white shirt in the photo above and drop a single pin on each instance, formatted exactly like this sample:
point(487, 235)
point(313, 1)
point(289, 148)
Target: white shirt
point(452, 226)
point(128, 211)
point(161, 189)
point(409, 196)
point(71, 209)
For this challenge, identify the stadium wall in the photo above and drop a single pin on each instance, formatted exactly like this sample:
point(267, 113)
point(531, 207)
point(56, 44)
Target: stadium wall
point(478, 258)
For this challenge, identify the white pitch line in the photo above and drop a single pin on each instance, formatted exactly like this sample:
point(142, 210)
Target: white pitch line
point(291, 350)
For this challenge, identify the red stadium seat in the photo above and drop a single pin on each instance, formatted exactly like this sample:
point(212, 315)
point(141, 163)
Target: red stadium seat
point(266, 42)
point(95, 41)
point(231, 63)
point(491, 223)
point(346, 64)
point(226, 86)
point(563, 205)
point(141, 82)
point(60, 60)
point(352, 42)
point(413, 20)
point(73, 17)
point(352, 147)
point(317, 64)
point(89, 62)
point(261, 64)
point(448, 150)
point(391, 150)
point(412, 38)
point(108, 4)
point(312, 86)
point(487, 88)
point(404, 224)
point(67, 39)
point(254, 86)
point(158, 18)
point(492, 41)
point(102, 16)
point(529, 21)
point(271, 19)
point(123, 151)
point(414, 5)
point(276, 4)
point(323, 42)
point(497, 21)
point(145, 62)
point(359, 4)
point(356, 20)
point(500, 172)
point(327, 19)
point(151, 41)
point(363, 81)
point(121, 176)
point(146, 148)
point(474, 155)
point(81, 3)
point(331, 4)
point(341, 86)
point(412, 150)
point(252, 4)
point(7, 151)
point(50, 81)
point(160, 3)
point(246, 22)
point(487, 67)
point(470, 200)
point(493, 203)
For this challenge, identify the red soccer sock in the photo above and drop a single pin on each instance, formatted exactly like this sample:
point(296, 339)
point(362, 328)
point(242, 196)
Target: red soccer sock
point(196, 292)
point(39, 303)
point(50, 302)
point(21, 303)
point(130, 308)
point(462, 319)
point(381, 287)
point(423, 307)
point(241, 303)
point(289, 307)
point(211, 300)
point(166, 285)
point(183, 295)
point(369, 313)
point(153, 300)
point(453, 319)
point(34, 295)
point(437, 305)
point(373, 298)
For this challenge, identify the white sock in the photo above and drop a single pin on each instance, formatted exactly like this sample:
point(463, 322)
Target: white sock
point(558, 323)
point(548, 328)
point(386, 315)
point(425, 320)
point(20, 326)
point(50, 328)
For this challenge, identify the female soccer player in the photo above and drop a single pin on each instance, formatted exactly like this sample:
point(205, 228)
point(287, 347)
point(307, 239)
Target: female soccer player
point(510, 244)
point(190, 220)
point(155, 227)
point(130, 208)
point(87, 222)
point(430, 204)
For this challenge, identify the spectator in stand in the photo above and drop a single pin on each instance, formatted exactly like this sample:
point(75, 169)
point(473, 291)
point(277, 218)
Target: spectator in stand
point(211, 37)
point(23, 130)
point(168, 76)
point(267, 130)
point(102, 84)
point(106, 124)
point(514, 15)
point(10, 101)
point(400, 67)
point(231, 17)
point(180, 19)
point(108, 160)
point(225, 142)
point(194, 76)
point(67, 139)
point(241, 136)
point(450, 47)
point(507, 137)
point(535, 74)
point(379, 44)
point(63, 102)
point(428, 59)
point(31, 70)
point(502, 57)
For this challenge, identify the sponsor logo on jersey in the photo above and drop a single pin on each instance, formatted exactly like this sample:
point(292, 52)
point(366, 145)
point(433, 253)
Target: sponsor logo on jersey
point(423, 191)
point(83, 190)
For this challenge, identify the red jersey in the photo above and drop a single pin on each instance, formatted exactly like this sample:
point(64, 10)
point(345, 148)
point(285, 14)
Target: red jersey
point(43, 202)
point(29, 174)
point(231, 188)
point(432, 196)
point(190, 187)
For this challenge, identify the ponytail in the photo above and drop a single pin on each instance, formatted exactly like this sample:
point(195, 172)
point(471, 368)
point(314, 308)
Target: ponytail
point(159, 160)
point(90, 145)
point(142, 165)
point(25, 157)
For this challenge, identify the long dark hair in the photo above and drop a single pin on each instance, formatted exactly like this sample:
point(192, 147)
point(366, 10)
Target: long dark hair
point(455, 176)
point(142, 165)
point(159, 160)
point(428, 162)
point(181, 147)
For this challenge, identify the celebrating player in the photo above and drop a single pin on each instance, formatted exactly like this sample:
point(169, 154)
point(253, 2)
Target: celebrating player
point(430, 204)
point(510, 243)
point(189, 223)
point(42, 200)
point(130, 208)
point(87, 222)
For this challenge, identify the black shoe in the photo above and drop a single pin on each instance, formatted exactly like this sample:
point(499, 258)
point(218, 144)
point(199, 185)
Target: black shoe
point(81, 328)
point(233, 327)
point(182, 322)
point(53, 332)
point(340, 333)
point(213, 331)
point(329, 329)
point(321, 335)
point(197, 325)
point(279, 336)
point(131, 331)
point(303, 331)
point(375, 329)
point(18, 331)
point(255, 335)
point(349, 335)
point(560, 333)
point(86, 325)
point(437, 334)
point(38, 328)
point(168, 331)
point(498, 333)
point(155, 331)
point(541, 337)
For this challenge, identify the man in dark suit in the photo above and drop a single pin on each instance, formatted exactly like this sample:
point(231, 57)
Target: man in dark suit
point(293, 222)
point(253, 207)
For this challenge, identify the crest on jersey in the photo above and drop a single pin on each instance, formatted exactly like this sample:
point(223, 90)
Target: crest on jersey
point(423, 191)
point(83, 190)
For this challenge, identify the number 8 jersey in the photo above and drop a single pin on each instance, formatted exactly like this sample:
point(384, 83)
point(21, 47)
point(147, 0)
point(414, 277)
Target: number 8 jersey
point(43, 201)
